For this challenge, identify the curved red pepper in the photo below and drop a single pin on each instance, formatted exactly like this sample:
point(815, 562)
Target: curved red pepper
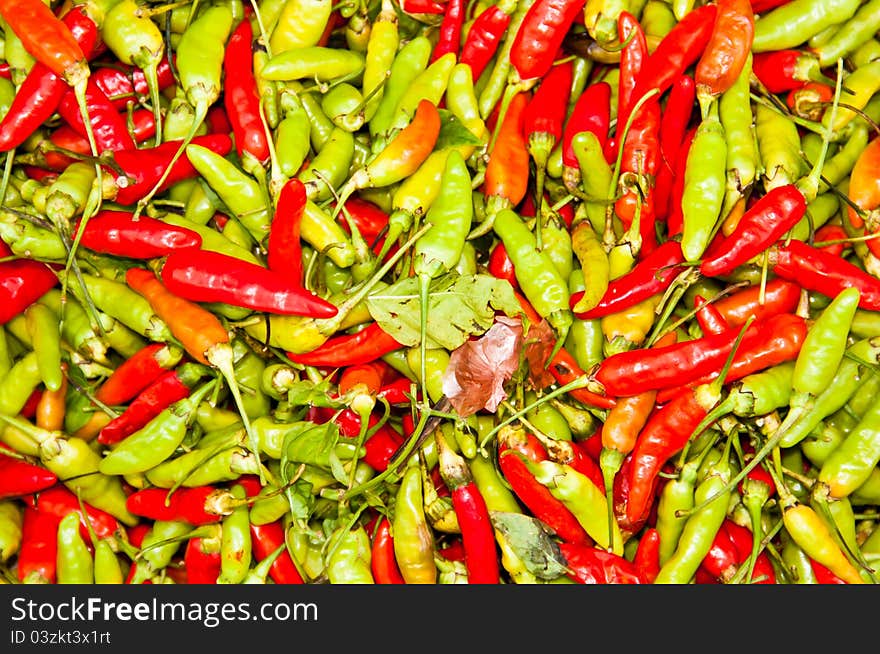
point(124, 83)
point(483, 38)
point(540, 35)
point(207, 276)
point(708, 317)
point(449, 32)
point(544, 115)
point(19, 477)
point(649, 276)
point(674, 123)
point(284, 248)
point(202, 567)
point(591, 565)
point(240, 97)
point(58, 501)
point(116, 233)
point(647, 556)
point(363, 346)
point(591, 113)
point(777, 296)
point(266, 539)
point(36, 560)
point(781, 71)
point(742, 538)
point(382, 562)
point(22, 282)
point(192, 505)
point(108, 124)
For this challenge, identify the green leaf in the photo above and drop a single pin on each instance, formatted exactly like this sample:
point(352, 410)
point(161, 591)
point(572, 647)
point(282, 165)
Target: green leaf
point(307, 442)
point(453, 133)
point(301, 499)
point(460, 306)
point(307, 393)
point(531, 542)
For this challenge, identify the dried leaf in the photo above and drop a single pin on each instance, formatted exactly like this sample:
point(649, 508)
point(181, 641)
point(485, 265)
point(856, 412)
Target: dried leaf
point(479, 368)
point(539, 342)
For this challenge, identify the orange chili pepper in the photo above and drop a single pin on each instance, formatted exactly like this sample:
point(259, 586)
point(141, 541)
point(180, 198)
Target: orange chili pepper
point(864, 193)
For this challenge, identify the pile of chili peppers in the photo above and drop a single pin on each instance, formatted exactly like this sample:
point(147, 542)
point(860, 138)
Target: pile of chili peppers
point(232, 232)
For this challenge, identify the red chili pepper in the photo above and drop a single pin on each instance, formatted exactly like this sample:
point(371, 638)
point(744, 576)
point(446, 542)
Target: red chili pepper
point(379, 447)
point(674, 213)
point(810, 100)
point(780, 340)
point(423, 7)
point(22, 282)
point(824, 575)
point(568, 453)
point(483, 38)
point(123, 84)
point(507, 169)
point(208, 276)
point(537, 498)
point(5, 70)
point(649, 276)
point(143, 167)
point(681, 47)
point(363, 346)
point(781, 71)
point(266, 539)
point(202, 565)
point(64, 136)
point(727, 49)
point(198, 505)
point(29, 410)
point(449, 31)
point(117, 233)
point(382, 562)
point(137, 533)
point(591, 565)
point(58, 501)
point(397, 391)
point(591, 113)
point(42, 89)
point(544, 115)
point(477, 533)
point(240, 96)
point(636, 371)
point(284, 248)
point(36, 561)
point(500, 266)
point(647, 556)
point(764, 223)
point(540, 35)
point(674, 123)
point(20, 477)
point(47, 38)
point(828, 233)
point(632, 57)
point(170, 387)
point(369, 219)
point(777, 296)
point(864, 192)
point(722, 559)
point(763, 6)
point(137, 372)
point(763, 572)
point(708, 317)
point(108, 125)
point(824, 272)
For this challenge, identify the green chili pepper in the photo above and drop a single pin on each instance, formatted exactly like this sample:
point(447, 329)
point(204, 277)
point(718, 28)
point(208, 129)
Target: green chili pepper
point(430, 84)
point(26, 239)
point(822, 209)
point(593, 259)
point(159, 547)
point(116, 299)
point(343, 105)
point(179, 120)
point(235, 542)
point(737, 119)
point(413, 538)
point(321, 63)
point(77, 329)
point(436, 360)
point(328, 170)
point(379, 57)
point(795, 22)
point(779, 147)
point(410, 60)
point(657, 18)
point(108, 569)
point(705, 182)
point(497, 76)
point(74, 561)
point(292, 138)
point(850, 464)
point(212, 240)
point(11, 522)
point(797, 564)
point(861, 86)
point(867, 51)
point(849, 35)
point(677, 495)
point(199, 58)
point(42, 325)
point(17, 385)
point(595, 175)
point(349, 556)
point(541, 283)
point(701, 526)
point(208, 463)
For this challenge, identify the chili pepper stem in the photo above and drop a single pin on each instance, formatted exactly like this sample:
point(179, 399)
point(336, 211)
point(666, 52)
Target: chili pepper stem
point(821, 501)
point(809, 185)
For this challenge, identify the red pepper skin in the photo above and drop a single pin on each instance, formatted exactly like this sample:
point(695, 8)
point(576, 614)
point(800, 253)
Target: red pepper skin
point(534, 494)
point(363, 346)
point(722, 559)
point(483, 38)
point(832, 233)
point(780, 296)
point(477, 534)
point(824, 575)
point(742, 539)
point(540, 35)
point(58, 501)
point(378, 448)
point(136, 373)
point(728, 48)
point(779, 339)
point(266, 539)
point(684, 363)
point(677, 51)
point(591, 113)
point(709, 318)
point(29, 410)
point(194, 505)
point(5, 71)
point(382, 562)
point(781, 71)
point(500, 266)
point(108, 125)
point(650, 276)
point(647, 556)
point(148, 404)
point(368, 217)
point(240, 97)
point(545, 112)
point(143, 167)
point(126, 84)
point(116, 233)
point(763, 6)
point(449, 33)
point(397, 391)
point(41, 91)
point(764, 223)
point(423, 7)
point(22, 282)
point(674, 123)
point(632, 58)
point(591, 565)
point(19, 477)
point(284, 249)
point(201, 567)
point(207, 276)
point(824, 272)
point(39, 547)
point(674, 213)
